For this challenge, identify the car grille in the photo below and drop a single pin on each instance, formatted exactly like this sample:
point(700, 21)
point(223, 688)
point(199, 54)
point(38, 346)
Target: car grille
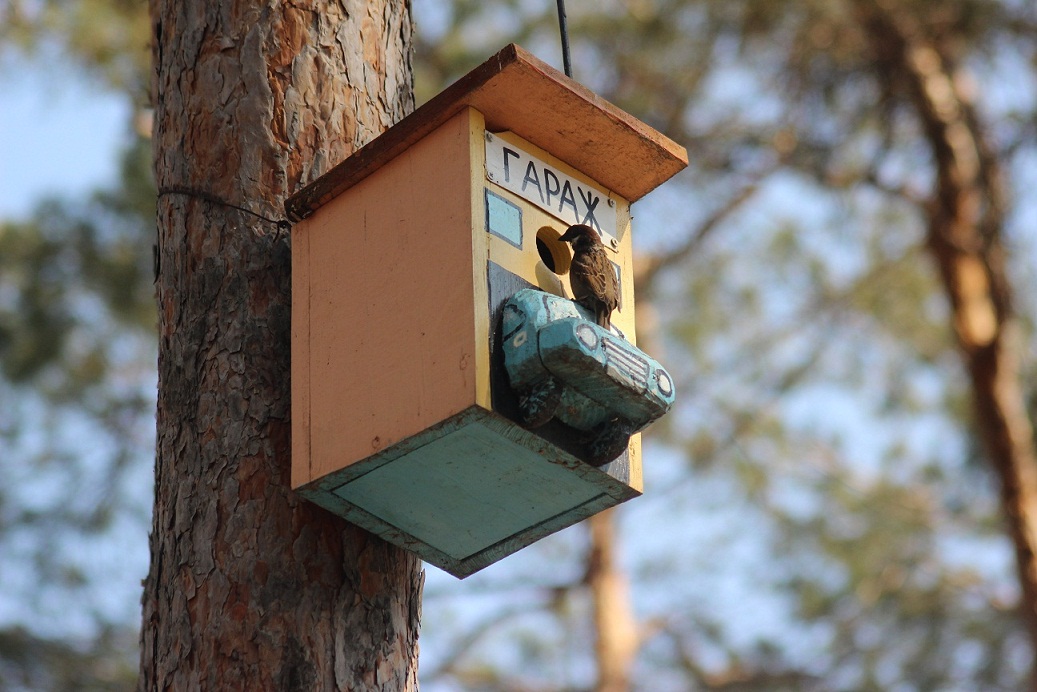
point(626, 363)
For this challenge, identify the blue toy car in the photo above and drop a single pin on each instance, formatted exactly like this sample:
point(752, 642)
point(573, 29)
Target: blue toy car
point(562, 365)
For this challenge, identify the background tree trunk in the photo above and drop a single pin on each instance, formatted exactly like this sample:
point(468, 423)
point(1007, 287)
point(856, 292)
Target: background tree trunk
point(966, 218)
point(614, 623)
point(250, 587)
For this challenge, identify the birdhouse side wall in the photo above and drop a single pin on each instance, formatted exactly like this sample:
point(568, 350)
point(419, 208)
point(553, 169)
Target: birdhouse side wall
point(384, 335)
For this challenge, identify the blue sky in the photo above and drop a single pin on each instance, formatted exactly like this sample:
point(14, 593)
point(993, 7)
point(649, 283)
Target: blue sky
point(59, 134)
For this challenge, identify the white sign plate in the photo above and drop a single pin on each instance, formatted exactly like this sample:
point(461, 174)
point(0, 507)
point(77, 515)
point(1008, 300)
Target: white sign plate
point(562, 196)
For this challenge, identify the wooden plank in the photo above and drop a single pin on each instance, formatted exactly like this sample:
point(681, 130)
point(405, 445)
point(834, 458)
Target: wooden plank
point(516, 91)
point(480, 249)
point(468, 490)
point(392, 309)
point(300, 388)
point(589, 490)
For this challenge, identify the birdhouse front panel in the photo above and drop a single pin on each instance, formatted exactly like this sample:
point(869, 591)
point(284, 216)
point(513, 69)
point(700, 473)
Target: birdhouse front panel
point(422, 265)
point(532, 197)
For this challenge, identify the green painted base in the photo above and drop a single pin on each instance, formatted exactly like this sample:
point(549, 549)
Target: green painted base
point(470, 491)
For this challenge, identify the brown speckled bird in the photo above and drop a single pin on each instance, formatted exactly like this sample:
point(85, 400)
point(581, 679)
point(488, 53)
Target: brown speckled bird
point(591, 274)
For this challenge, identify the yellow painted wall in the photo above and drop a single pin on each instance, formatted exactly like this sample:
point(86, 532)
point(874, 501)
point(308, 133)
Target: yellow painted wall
point(527, 263)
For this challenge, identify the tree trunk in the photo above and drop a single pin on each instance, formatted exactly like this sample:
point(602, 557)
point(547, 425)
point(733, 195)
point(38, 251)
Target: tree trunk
point(251, 587)
point(614, 623)
point(965, 217)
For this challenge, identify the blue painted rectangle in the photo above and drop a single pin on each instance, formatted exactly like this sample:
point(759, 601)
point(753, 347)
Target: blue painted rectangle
point(504, 219)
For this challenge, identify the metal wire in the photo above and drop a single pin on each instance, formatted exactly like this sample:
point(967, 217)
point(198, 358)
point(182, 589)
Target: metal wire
point(282, 224)
point(564, 29)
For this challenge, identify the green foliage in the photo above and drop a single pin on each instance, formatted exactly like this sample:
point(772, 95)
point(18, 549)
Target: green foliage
point(66, 264)
point(110, 38)
point(77, 354)
point(31, 663)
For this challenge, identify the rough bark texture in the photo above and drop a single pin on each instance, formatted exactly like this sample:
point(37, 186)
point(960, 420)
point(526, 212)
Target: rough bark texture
point(614, 624)
point(965, 216)
point(250, 587)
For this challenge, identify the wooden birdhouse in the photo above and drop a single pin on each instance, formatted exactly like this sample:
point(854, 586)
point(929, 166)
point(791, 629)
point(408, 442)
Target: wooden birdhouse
point(405, 256)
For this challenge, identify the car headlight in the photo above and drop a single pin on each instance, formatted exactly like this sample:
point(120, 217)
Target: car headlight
point(664, 382)
point(587, 336)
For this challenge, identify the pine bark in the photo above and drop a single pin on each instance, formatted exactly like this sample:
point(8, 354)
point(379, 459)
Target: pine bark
point(966, 218)
point(250, 587)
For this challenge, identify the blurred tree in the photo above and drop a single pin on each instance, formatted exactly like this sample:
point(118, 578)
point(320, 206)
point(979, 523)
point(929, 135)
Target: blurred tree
point(77, 395)
point(107, 664)
point(109, 38)
point(826, 365)
point(77, 353)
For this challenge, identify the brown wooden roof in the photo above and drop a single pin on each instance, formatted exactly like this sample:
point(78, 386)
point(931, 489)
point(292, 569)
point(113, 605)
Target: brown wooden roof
point(516, 91)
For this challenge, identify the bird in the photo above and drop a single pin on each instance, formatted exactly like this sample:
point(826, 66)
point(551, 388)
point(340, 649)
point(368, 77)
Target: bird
point(591, 275)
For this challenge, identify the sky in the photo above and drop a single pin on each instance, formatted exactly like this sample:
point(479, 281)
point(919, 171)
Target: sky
point(58, 134)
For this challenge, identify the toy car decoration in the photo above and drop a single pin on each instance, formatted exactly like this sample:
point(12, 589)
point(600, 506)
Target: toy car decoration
point(562, 365)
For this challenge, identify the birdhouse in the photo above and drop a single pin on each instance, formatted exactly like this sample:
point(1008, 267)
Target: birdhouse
point(431, 311)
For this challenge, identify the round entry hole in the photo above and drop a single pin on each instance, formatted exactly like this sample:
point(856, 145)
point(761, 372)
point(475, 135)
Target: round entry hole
point(553, 252)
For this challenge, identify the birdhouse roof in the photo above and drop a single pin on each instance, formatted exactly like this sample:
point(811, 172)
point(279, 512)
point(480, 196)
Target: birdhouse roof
point(515, 91)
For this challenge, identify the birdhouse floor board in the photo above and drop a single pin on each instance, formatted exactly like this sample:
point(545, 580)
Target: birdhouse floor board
point(468, 492)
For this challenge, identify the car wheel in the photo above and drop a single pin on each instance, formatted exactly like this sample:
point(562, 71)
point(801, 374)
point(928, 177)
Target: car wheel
point(538, 405)
point(608, 441)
